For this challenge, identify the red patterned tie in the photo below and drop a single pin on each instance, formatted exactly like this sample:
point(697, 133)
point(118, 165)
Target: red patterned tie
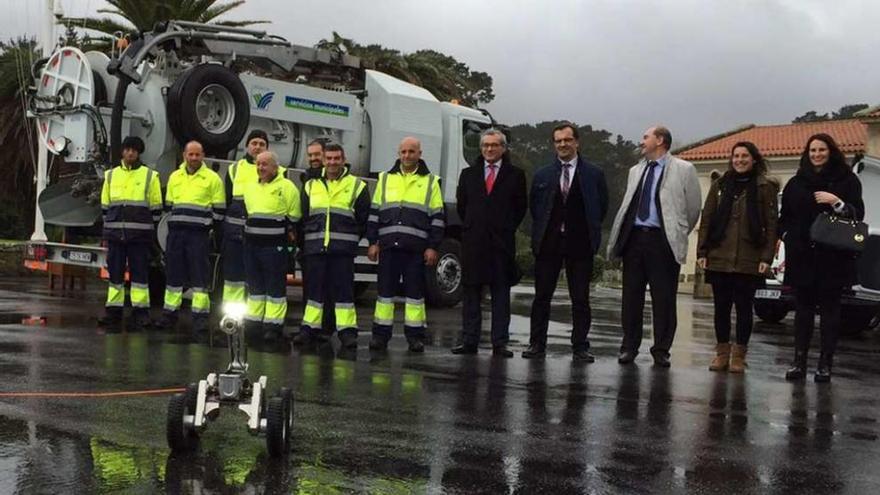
point(566, 181)
point(490, 179)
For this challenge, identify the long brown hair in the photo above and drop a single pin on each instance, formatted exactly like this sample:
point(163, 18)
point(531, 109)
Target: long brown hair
point(760, 165)
point(836, 158)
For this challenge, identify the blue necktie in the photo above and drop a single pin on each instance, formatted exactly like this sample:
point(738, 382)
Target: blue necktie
point(645, 198)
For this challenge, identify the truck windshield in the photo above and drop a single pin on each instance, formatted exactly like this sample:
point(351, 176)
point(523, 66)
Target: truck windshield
point(470, 139)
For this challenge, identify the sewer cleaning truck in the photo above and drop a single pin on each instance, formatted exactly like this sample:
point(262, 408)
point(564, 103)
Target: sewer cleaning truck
point(190, 81)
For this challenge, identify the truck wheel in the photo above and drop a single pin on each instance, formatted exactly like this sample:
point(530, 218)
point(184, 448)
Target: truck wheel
point(443, 284)
point(181, 436)
point(856, 319)
point(279, 423)
point(209, 104)
point(770, 312)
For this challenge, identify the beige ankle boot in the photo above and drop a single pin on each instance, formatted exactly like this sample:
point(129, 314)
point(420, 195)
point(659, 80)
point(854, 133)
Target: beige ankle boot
point(722, 357)
point(738, 359)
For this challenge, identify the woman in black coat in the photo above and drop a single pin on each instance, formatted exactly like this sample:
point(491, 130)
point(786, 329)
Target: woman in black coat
point(824, 183)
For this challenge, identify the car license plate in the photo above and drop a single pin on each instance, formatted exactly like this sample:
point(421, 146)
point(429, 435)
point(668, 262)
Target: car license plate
point(79, 256)
point(768, 294)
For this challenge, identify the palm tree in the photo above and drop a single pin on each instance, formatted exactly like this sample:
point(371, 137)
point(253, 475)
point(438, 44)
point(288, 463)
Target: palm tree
point(142, 15)
point(18, 139)
point(450, 79)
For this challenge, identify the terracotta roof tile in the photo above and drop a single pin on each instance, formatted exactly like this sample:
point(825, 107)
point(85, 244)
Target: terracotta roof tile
point(783, 140)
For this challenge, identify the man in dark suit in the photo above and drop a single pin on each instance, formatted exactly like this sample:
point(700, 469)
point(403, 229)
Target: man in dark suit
point(568, 202)
point(491, 202)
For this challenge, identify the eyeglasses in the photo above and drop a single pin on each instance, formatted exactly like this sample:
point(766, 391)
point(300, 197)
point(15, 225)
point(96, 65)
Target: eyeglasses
point(491, 145)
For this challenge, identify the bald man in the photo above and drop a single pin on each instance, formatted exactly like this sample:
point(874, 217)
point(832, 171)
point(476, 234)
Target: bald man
point(197, 202)
point(405, 227)
point(273, 210)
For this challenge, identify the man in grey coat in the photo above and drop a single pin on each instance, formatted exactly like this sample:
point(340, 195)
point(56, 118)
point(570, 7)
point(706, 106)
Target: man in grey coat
point(660, 208)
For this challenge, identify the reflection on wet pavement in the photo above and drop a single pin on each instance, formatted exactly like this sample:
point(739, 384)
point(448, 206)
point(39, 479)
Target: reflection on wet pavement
point(436, 423)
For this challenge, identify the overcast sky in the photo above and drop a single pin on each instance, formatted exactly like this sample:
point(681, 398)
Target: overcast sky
point(699, 66)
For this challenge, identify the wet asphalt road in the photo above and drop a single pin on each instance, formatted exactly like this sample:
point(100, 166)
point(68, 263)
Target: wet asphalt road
point(436, 423)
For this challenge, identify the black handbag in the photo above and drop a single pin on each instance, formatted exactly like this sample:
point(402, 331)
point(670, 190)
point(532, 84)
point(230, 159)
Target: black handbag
point(839, 233)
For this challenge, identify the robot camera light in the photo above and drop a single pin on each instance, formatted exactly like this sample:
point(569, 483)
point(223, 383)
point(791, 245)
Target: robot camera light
point(234, 310)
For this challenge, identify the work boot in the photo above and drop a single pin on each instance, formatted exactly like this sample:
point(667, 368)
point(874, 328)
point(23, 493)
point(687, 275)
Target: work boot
point(738, 359)
point(252, 329)
point(303, 339)
point(272, 333)
point(167, 320)
point(199, 325)
point(142, 321)
point(110, 320)
point(415, 344)
point(378, 343)
point(823, 370)
point(349, 340)
point(722, 357)
point(798, 368)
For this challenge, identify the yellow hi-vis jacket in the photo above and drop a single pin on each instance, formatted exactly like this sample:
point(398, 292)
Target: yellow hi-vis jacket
point(407, 210)
point(334, 214)
point(239, 176)
point(195, 200)
point(272, 209)
point(131, 202)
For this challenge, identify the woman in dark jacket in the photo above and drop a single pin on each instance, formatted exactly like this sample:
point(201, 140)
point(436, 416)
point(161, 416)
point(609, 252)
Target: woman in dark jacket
point(824, 183)
point(737, 237)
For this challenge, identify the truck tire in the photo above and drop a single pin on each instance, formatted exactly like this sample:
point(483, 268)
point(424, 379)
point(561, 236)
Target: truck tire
point(209, 104)
point(771, 311)
point(443, 284)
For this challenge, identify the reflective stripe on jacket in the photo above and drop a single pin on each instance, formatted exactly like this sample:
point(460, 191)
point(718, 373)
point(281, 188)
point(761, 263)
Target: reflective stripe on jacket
point(332, 223)
point(131, 203)
point(272, 208)
point(195, 200)
point(407, 210)
point(239, 176)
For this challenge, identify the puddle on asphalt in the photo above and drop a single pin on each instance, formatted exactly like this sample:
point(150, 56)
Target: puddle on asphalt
point(45, 460)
